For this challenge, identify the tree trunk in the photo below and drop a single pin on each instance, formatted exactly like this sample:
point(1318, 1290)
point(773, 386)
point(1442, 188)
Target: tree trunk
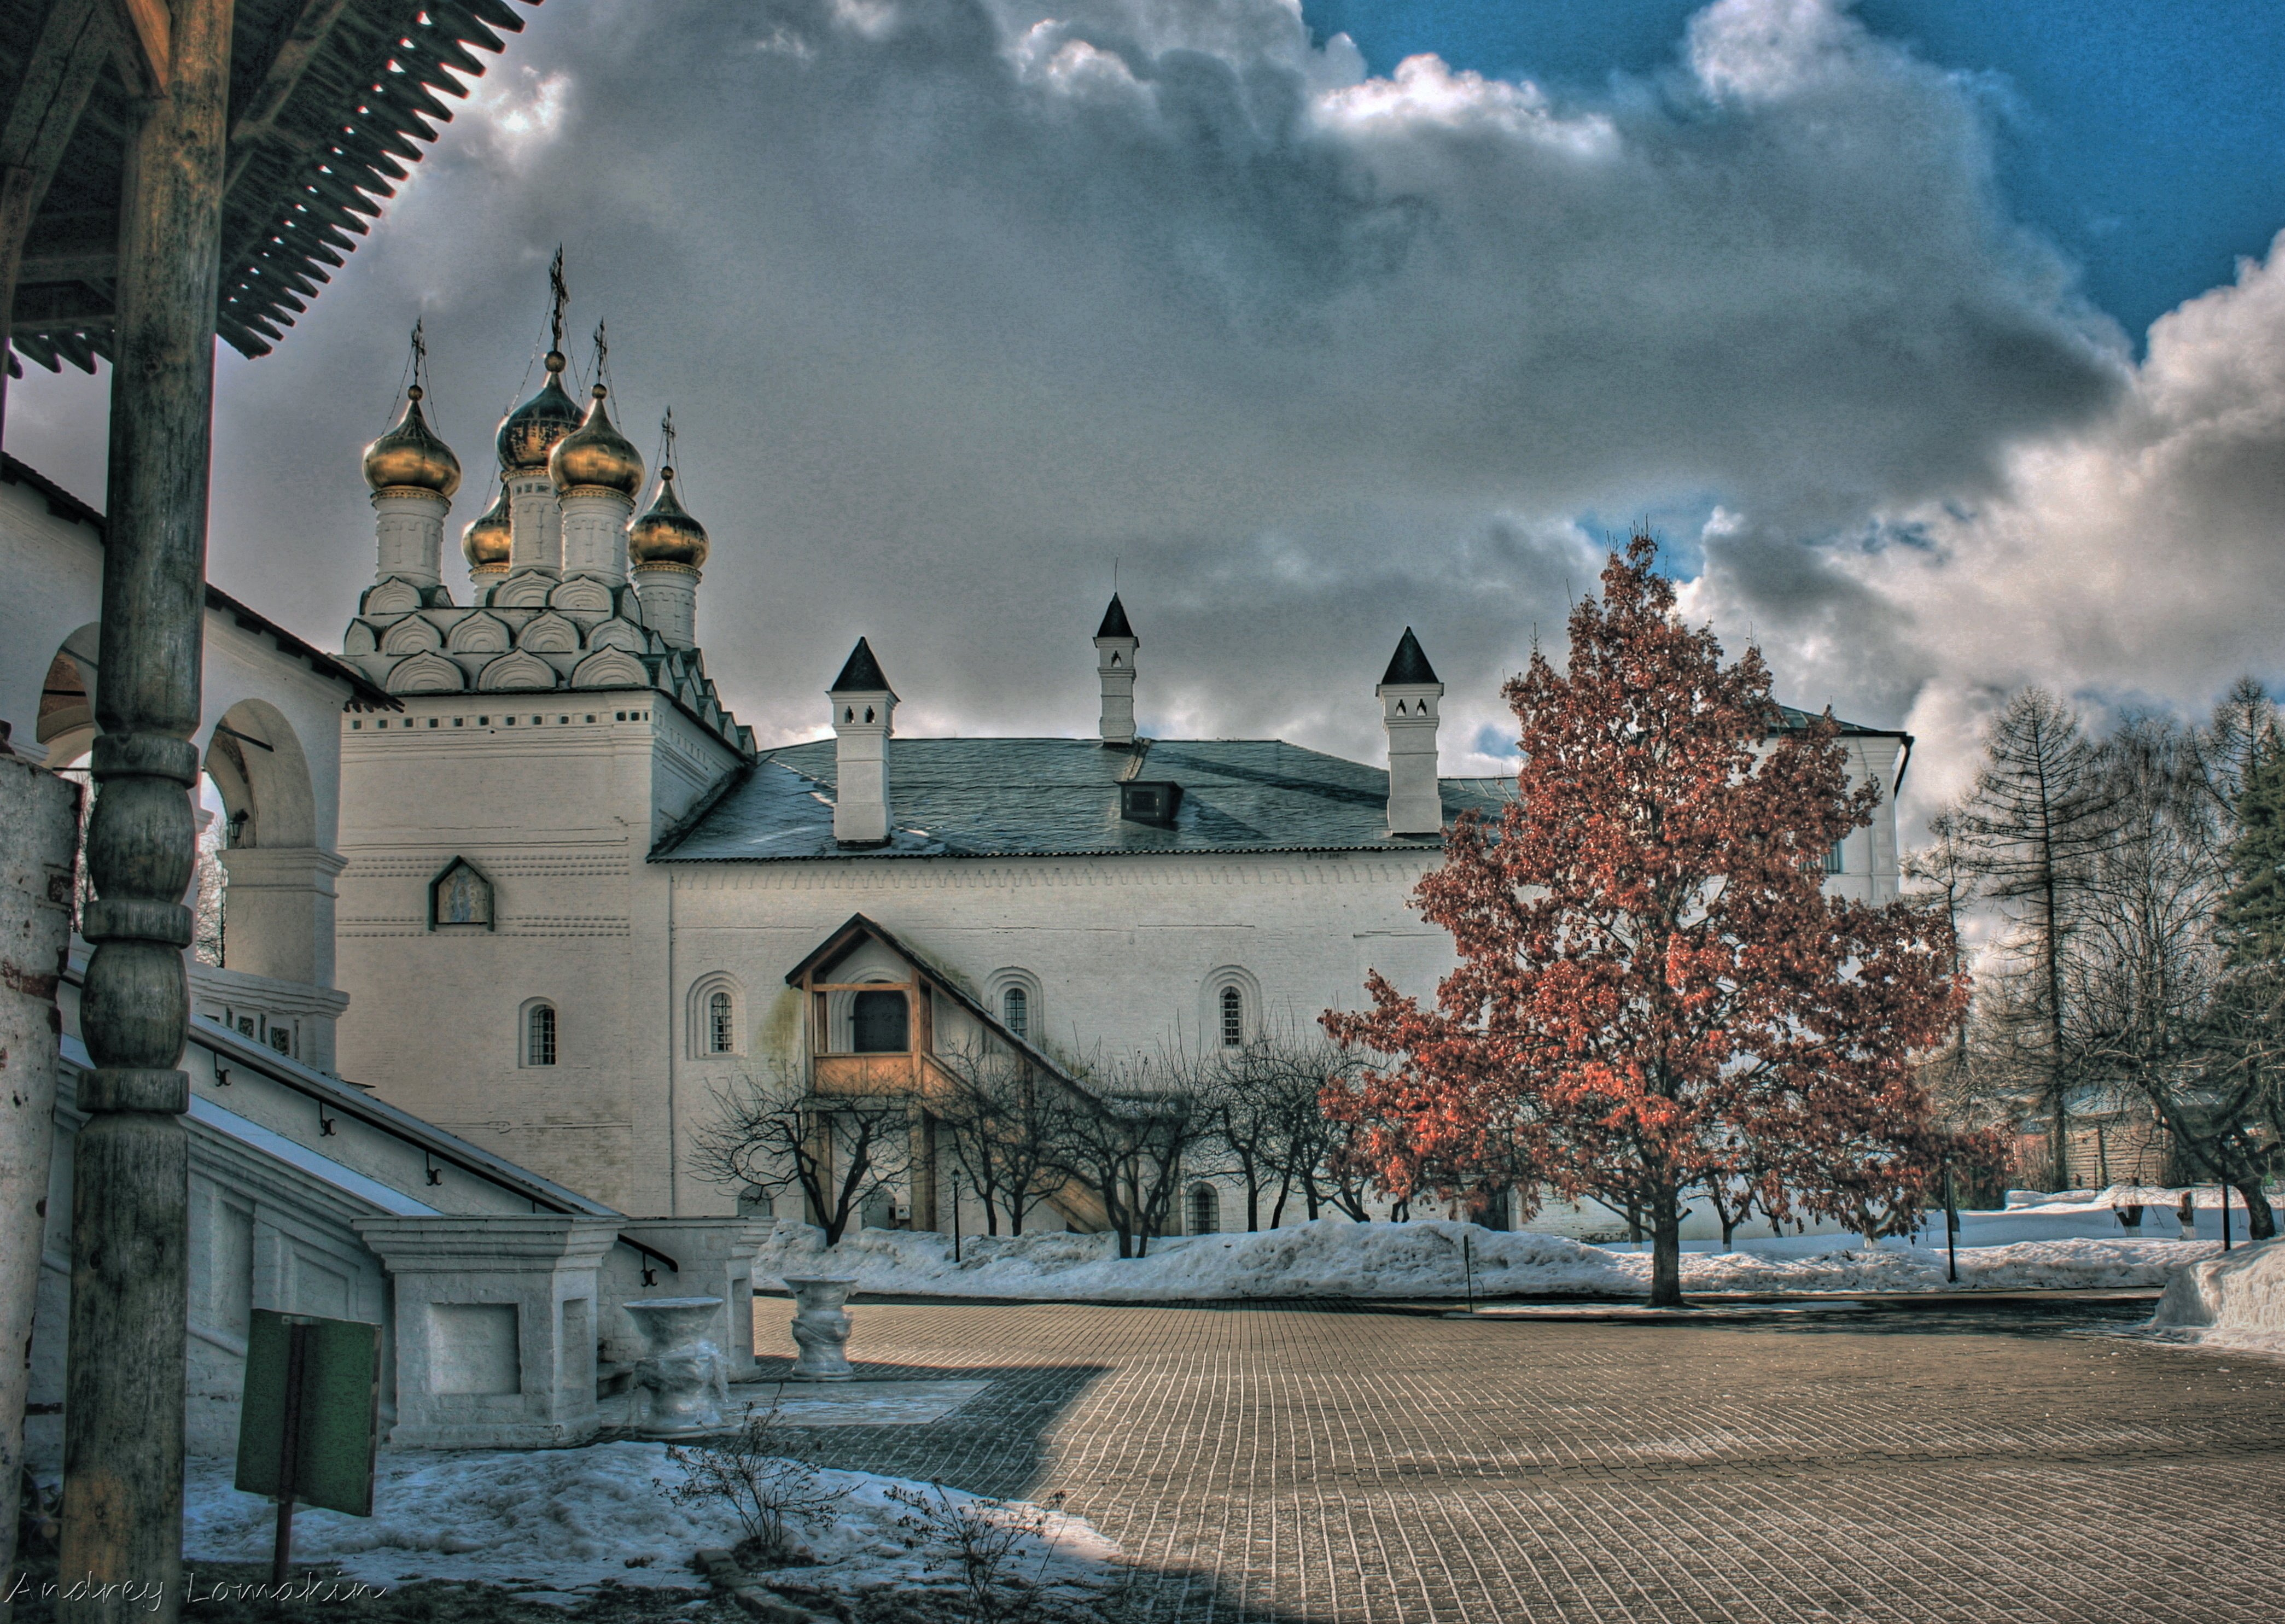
point(1666, 1248)
point(2260, 1218)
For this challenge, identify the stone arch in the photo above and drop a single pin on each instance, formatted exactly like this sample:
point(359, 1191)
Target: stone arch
point(66, 712)
point(480, 634)
point(425, 673)
point(705, 1016)
point(393, 596)
point(1025, 985)
point(583, 595)
point(1230, 989)
point(257, 763)
point(610, 668)
point(549, 634)
point(516, 672)
point(412, 635)
point(617, 634)
point(526, 589)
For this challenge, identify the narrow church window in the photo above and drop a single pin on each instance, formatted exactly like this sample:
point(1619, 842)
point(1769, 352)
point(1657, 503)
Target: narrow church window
point(878, 1021)
point(1016, 1011)
point(755, 1201)
point(721, 1030)
point(1206, 1208)
point(1836, 857)
point(540, 1036)
point(1233, 1018)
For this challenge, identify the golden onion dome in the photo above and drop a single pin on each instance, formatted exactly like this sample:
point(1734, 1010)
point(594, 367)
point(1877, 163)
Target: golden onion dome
point(666, 534)
point(596, 456)
point(410, 457)
point(490, 536)
point(528, 434)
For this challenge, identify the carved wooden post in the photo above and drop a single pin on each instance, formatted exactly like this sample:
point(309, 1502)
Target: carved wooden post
point(122, 1513)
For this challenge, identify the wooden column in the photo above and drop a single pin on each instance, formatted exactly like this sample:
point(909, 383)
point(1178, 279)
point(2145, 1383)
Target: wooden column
point(123, 1515)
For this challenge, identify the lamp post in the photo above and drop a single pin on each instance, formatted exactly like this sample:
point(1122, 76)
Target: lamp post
point(1951, 1227)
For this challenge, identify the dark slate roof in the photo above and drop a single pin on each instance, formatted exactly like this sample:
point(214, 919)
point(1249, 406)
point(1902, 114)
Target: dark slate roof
point(1408, 664)
point(862, 674)
point(1047, 797)
point(1793, 718)
point(1114, 621)
point(329, 105)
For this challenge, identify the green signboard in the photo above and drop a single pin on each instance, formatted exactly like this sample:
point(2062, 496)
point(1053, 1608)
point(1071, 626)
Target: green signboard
point(333, 1414)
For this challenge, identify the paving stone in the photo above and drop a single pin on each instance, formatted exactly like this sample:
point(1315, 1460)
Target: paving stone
point(1297, 1462)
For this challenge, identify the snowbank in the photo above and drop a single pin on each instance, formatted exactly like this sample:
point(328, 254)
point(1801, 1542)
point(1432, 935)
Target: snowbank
point(2238, 1297)
point(565, 1520)
point(1336, 1257)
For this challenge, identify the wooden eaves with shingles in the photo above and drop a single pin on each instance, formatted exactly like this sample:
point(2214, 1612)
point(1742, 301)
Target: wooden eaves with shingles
point(329, 101)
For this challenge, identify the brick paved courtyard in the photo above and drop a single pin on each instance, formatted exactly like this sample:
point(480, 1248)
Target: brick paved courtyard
point(1292, 1464)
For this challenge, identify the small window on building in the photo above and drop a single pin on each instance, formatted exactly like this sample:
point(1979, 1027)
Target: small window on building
point(540, 1035)
point(1016, 1011)
point(877, 1022)
point(1233, 1018)
point(1835, 858)
point(755, 1201)
point(1206, 1208)
point(721, 1025)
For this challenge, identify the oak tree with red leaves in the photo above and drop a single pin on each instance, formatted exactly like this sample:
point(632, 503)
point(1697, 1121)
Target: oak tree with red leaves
point(1655, 995)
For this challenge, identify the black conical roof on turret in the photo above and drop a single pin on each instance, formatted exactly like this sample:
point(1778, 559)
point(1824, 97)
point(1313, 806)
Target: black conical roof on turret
point(1114, 621)
point(862, 673)
point(1409, 664)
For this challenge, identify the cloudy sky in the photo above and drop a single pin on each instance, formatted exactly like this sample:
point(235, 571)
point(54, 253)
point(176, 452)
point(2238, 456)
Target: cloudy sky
point(1943, 345)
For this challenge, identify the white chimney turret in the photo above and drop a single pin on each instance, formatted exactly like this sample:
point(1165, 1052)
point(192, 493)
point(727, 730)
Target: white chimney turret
point(863, 707)
point(1115, 644)
point(1409, 692)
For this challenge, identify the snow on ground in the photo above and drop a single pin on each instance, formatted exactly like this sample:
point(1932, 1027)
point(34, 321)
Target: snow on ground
point(2237, 1300)
point(1334, 1256)
point(568, 1519)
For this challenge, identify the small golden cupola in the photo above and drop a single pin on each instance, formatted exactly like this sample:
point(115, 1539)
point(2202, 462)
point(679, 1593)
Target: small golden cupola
point(410, 457)
point(530, 432)
point(490, 537)
point(596, 456)
point(666, 534)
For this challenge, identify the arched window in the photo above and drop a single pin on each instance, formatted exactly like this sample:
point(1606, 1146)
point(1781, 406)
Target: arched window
point(721, 1023)
point(755, 1201)
point(877, 1022)
point(540, 1035)
point(1016, 1011)
point(1836, 858)
point(1206, 1208)
point(1233, 1018)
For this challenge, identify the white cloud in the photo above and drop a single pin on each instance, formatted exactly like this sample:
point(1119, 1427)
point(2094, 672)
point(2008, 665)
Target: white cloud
point(957, 301)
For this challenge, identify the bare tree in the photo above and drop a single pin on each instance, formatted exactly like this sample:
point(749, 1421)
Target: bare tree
point(839, 1150)
point(1002, 1114)
point(1129, 1137)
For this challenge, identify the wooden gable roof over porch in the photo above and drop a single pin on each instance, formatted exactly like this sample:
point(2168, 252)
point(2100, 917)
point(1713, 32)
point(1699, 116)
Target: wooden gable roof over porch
point(329, 101)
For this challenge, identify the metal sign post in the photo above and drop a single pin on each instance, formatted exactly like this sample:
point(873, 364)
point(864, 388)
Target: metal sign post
point(310, 1420)
point(1951, 1228)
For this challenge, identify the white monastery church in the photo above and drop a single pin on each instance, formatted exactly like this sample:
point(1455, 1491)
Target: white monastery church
point(576, 900)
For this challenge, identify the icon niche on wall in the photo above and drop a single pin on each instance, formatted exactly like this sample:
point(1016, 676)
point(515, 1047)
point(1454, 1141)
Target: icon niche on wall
point(460, 897)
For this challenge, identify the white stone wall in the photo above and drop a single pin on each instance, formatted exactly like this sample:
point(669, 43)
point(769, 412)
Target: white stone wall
point(558, 814)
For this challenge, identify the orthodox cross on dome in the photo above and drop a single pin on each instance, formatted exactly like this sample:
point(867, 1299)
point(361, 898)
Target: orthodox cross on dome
point(666, 444)
point(560, 294)
point(417, 366)
point(603, 357)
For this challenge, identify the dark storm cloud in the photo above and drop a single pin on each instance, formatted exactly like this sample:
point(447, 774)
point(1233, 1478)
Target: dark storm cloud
point(958, 302)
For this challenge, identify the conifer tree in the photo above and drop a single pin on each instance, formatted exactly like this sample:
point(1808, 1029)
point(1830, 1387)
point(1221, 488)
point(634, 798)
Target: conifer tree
point(2252, 918)
point(2032, 832)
